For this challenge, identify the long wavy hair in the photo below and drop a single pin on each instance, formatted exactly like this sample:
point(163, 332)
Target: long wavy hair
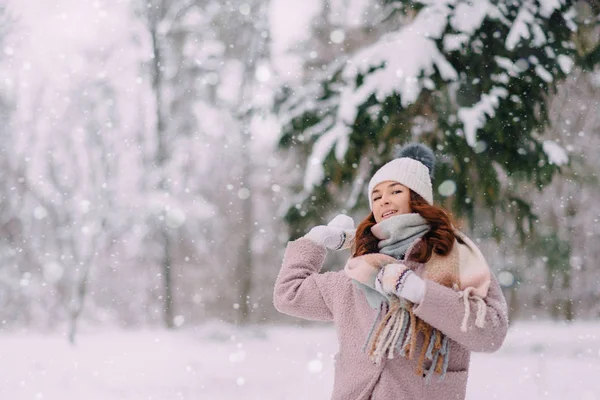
point(440, 237)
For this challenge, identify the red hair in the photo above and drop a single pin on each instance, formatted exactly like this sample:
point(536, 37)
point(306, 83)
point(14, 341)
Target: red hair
point(440, 237)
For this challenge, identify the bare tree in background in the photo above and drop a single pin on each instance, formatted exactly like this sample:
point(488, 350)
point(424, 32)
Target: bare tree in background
point(161, 18)
point(244, 26)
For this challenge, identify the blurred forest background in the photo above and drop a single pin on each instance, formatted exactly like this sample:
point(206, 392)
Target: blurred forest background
point(157, 155)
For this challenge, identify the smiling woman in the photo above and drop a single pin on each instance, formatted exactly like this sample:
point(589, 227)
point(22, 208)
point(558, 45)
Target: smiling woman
point(406, 295)
point(390, 198)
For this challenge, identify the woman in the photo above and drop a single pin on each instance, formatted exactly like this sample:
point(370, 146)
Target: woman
point(416, 298)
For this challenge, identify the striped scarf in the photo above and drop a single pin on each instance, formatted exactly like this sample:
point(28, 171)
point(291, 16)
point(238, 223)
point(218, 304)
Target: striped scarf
point(396, 328)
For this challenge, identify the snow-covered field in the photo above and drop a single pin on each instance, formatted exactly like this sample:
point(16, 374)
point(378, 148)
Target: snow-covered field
point(538, 361)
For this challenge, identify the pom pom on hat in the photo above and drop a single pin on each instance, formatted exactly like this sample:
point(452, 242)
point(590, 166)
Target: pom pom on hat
point(419, 152)
point(413, 168)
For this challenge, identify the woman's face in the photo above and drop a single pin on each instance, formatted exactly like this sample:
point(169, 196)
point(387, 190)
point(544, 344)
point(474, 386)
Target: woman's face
point(390, 198)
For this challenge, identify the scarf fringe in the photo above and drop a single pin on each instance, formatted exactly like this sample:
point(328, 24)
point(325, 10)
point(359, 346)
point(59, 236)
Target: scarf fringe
point(381, 305)
point(467, 295)
point(397, 332)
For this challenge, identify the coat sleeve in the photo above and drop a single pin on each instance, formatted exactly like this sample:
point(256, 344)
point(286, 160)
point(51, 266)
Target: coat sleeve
point(444, 309)
point(300, 290)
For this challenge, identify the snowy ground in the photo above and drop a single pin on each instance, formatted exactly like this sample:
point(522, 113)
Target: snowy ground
point(538, 361)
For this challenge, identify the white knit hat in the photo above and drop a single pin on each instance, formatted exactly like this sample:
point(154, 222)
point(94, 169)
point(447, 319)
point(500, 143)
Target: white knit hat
point(410, 170)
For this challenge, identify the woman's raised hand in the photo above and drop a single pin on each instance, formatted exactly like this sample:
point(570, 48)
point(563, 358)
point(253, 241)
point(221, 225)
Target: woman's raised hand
point(336, 235)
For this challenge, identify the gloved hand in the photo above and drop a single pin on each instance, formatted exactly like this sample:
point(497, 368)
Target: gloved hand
point(399, 280)
point(336, 235)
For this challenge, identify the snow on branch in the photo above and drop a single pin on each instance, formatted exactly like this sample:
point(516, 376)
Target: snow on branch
point(556, 154)
point(474, 118)
point(404, 61)
point(526, 24)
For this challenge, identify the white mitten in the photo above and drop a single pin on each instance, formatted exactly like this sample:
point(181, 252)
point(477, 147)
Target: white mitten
point(413, 289)
point(336, 235)
point(401, 281)
point(347, 225)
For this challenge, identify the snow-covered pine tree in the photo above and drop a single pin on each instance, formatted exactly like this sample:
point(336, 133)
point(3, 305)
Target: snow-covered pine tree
point(469, 78)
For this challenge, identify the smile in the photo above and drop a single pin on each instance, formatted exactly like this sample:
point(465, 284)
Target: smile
point(388, 213)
